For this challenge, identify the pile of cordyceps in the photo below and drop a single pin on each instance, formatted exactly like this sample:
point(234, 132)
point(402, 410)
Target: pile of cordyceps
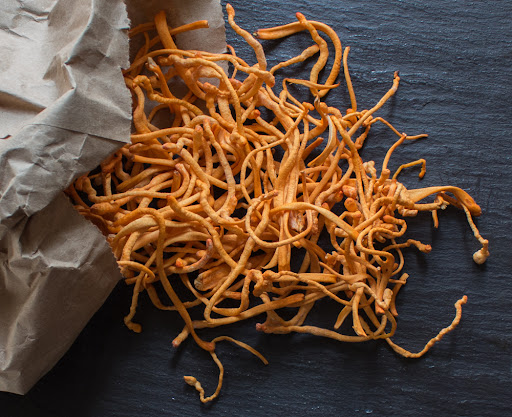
point(219, 196)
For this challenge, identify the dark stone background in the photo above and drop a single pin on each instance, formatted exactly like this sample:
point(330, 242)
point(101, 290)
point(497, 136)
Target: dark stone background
point(454, 58)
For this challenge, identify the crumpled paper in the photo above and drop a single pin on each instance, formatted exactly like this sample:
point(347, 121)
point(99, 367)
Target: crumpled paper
point(63, 109)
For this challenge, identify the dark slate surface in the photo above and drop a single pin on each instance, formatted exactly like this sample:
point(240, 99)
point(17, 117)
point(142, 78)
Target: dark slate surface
point(454, 58)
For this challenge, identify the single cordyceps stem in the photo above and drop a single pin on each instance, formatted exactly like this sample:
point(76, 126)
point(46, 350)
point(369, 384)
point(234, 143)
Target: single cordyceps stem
point(462, 197)
point(434, 340)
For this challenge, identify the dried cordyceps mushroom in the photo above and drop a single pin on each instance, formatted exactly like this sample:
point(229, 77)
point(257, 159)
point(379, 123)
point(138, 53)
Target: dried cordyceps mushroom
point(219, 197)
